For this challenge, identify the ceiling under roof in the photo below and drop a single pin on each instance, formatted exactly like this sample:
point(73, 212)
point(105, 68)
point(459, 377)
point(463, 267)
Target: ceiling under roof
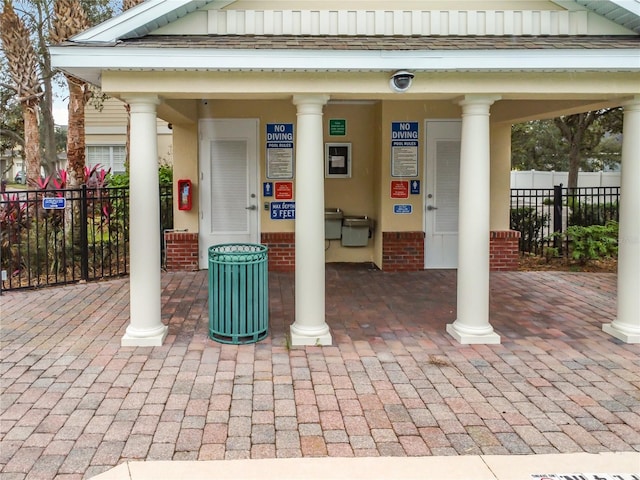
point(622, 12)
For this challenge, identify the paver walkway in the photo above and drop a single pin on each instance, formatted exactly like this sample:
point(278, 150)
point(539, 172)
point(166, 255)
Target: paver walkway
point(74, 403)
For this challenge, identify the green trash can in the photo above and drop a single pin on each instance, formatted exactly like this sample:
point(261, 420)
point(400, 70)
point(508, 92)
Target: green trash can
point(238, 293)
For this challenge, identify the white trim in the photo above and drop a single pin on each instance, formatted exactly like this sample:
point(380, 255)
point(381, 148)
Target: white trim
point(170, 59)
point(142, 19)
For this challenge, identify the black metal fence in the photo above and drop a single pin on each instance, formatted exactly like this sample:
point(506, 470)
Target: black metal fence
point(541, 215)
point(54, 237)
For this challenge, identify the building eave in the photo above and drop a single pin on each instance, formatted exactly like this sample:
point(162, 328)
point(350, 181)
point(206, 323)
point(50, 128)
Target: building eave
point(143, 19)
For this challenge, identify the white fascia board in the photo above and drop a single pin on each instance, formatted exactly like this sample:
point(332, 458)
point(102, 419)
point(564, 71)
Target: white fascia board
point(168, 59)
point(141, 19)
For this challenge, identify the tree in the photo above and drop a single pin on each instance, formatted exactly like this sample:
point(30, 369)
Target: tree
point(11, 120)
point(537, 145)
point(70, 19)
point(583, 132)
point(37, 17)
point(127, 4)
point(586, 141)
point(23, 69)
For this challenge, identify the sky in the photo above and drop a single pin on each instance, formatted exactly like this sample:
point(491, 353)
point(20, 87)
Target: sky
point(60, 113)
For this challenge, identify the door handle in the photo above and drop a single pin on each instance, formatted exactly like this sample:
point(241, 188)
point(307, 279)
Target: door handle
point(251, 207)
point(431, 207)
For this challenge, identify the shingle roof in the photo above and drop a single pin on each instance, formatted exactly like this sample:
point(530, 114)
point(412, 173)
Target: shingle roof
point(395, 43)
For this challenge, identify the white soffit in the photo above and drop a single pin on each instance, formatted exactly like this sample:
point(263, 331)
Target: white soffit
point(622, 12)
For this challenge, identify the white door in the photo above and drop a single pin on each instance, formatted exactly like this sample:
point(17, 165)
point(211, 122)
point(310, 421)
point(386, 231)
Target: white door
point(229, 193)
point(442, 181)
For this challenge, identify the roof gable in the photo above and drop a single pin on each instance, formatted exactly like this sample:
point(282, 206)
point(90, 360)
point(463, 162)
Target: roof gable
point(157, 15)
point(143, 18)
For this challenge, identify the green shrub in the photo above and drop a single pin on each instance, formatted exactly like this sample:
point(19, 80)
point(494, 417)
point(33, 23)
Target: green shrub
point(530, 224)
point(586, 214)
point(593, 242)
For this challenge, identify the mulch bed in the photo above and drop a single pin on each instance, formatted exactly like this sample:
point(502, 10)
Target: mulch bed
point(536, 263)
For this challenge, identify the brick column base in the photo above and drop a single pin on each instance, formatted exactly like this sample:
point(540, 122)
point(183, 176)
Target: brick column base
point(282, 250)
point(503, 250)
point(402, 251)
point(181, 251)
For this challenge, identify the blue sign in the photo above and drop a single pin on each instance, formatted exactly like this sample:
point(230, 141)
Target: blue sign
point(404, 149)
point(404, 134)
point(279, 135)
point(267, 189)
point(415, 187)
point(402, 209)
point(54, 203)
point(283, 210)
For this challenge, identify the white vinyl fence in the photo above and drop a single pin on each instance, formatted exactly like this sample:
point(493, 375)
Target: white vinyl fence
point(536, 179)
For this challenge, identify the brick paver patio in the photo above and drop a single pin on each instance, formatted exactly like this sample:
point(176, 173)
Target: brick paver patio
point(74, 403)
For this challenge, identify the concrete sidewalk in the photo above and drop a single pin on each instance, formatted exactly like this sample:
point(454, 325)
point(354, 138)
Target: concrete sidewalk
point(576, 466)
point(74, 404)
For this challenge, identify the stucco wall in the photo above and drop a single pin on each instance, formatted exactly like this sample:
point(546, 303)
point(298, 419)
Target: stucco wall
point(368, 191)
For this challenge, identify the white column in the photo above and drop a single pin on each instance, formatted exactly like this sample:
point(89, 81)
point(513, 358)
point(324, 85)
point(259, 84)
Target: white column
point(145, 326)
point(310, 327)
point(626, 326)
point(472, 324)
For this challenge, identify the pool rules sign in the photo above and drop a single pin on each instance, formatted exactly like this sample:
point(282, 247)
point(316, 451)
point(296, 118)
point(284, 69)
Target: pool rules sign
point(279, 150)
point(404, 149)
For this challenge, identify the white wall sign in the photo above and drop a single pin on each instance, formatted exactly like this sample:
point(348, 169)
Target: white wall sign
point(404, 149)
point(279, 150)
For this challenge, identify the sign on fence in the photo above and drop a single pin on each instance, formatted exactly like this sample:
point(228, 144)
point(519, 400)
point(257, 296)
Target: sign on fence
point(54, 203)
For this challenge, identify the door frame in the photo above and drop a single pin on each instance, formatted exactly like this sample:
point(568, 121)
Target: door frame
point(427, 179)
point(205, 191)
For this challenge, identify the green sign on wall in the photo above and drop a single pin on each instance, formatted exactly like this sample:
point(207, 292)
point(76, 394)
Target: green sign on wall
point(337, 127)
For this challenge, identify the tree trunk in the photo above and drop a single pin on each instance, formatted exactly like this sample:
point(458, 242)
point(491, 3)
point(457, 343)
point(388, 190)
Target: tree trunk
point(31, 142)
point(75, 133)
point(574, 164)
point(50, 157)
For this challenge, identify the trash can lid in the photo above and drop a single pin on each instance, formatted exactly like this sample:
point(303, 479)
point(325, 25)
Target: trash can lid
point(237, 252)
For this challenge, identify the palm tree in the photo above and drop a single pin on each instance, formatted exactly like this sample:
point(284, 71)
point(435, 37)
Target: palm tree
point(23, 69)
point(70, 19)
point(127, 4)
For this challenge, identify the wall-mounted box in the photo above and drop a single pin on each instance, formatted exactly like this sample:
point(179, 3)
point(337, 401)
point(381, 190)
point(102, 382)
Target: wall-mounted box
point(332, 223)
point(355, 231)
point(337, 160)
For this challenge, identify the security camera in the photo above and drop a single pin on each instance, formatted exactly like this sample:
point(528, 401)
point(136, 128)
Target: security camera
point(401, 81)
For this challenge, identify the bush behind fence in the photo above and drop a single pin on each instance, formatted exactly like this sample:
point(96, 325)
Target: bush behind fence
point(544, 216)
point(86, 237)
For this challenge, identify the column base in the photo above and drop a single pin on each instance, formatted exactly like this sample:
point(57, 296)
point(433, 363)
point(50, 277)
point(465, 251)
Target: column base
point(302, 337)
point(626, 336)
point(465, 338)
point(155, 339)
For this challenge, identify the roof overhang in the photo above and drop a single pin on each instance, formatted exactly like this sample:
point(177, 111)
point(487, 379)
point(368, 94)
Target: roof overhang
point(622, 12)
point(87, 63)
point(143, 19)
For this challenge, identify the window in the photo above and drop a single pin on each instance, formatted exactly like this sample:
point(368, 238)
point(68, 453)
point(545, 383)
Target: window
point(108, 156)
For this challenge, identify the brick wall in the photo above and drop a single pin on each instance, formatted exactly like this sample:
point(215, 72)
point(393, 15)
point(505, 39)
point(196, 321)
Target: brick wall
point(503, 250)
point(282, 250)
point(402, 251)
point(181, 251)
